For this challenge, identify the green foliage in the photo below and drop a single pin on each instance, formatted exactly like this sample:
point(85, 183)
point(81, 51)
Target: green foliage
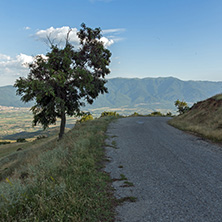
point(135, 114)
point(127, 199)
point(85, 118)
point(181, 106)
point(64, 79)
point(64, 183)
point(105, 113)
point(4, 142)
point(156, 113)
point(169, 114)
point(123, 177)
point(21, 140)
point(127, 184)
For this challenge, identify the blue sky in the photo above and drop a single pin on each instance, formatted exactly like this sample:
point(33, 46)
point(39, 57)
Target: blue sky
point(147, 38)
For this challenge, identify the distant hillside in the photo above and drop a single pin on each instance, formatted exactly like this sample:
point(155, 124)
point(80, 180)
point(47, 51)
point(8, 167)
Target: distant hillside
point(153, 93)
point(204, 118)
point(152, 90)
point(8, 97)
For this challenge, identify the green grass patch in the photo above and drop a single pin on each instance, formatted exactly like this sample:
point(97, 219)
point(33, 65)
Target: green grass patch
point(114, 143)
point(127, 199)
point(127, 184)
point(217, 97)
point(63, 183)
point(123, 177)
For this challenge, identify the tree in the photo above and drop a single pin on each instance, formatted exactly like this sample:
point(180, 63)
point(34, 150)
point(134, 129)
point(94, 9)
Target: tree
point(181, 106)
point(62, 82)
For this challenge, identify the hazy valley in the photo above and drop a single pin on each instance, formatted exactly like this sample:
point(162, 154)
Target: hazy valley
point(125, 96)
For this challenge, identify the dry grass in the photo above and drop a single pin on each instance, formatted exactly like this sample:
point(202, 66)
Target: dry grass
point(204, 118)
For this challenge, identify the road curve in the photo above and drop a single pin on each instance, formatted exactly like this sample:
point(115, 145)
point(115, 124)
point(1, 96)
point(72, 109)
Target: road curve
point(176, 176)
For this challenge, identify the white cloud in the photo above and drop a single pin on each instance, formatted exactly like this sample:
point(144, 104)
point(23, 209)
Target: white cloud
point(59, 35)
point(107, 42)
point(19, 62)
point(113, 34)
point(107, 31)
point(13, 67)
point(27, 28)
point(4, 57)
point(24, 60)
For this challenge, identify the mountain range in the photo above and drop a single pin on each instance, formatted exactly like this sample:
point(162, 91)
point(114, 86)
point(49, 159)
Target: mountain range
point(146, 93)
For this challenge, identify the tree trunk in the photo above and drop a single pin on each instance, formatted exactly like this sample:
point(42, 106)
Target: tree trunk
point(62, 124)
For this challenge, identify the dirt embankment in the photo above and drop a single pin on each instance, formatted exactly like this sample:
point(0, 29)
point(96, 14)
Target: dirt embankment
point(204, 118)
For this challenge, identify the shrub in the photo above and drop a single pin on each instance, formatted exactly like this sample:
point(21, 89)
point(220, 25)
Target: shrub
point(169, 114)
point(156, 113)
point(3, 143)
point(181, 106)
point(135, 114)
point(85, 118)
point(105, 113)
point(21, 140)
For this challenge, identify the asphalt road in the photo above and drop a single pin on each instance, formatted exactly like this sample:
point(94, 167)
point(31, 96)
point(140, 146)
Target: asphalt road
point(176, 176)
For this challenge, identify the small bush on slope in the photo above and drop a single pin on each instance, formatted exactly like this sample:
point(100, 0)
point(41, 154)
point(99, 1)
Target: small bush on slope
point(105, 113)
point(85, 118)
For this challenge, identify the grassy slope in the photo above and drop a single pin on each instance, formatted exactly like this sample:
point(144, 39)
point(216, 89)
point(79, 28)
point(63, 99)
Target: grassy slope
point(63, 183)
point(204, 118)
point(10, 158)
